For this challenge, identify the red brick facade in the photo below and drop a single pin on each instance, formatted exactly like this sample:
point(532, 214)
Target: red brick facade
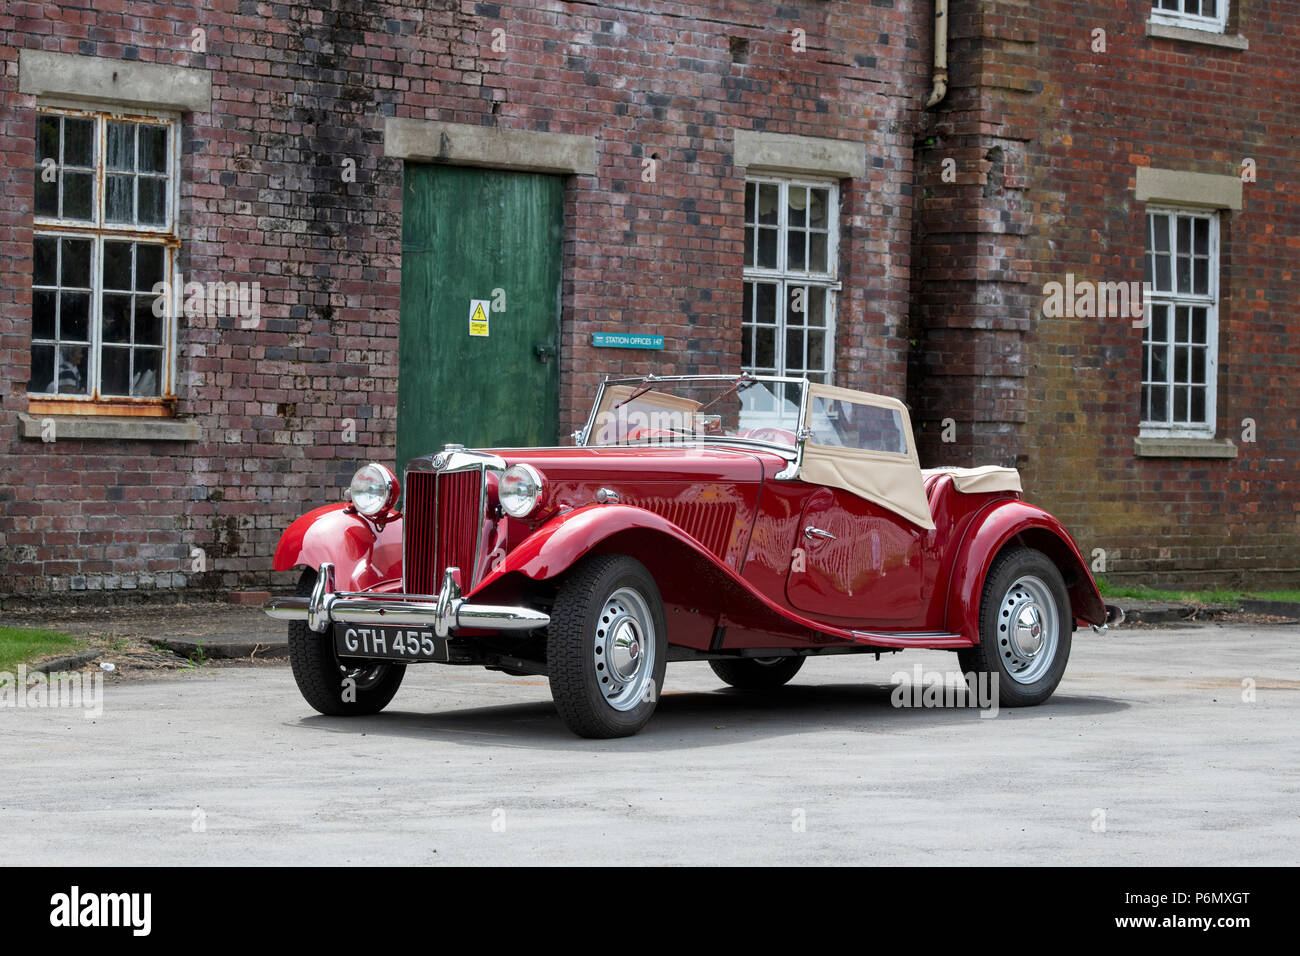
point(1048, 134)
point(1045, 134)
point(297, 88)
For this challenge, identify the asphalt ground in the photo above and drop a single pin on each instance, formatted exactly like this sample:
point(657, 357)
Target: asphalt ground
point(1163, 745)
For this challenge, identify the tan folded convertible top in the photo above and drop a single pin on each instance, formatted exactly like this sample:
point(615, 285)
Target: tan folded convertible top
point(976, 481)
point(887, 478)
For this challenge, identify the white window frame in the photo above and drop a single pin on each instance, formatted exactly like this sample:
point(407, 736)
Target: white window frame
point(1192, 21)
point(785, 278)
point(1208, 301)
point(97, 230)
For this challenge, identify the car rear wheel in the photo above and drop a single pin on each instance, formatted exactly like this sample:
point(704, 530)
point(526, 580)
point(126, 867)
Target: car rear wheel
point(607, 647)
point(757, 673)
point(335, 687)
point(1025, 628)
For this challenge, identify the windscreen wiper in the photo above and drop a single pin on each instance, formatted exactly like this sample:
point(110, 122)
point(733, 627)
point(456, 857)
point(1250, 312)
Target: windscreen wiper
point(647, 384)
point(744, 381)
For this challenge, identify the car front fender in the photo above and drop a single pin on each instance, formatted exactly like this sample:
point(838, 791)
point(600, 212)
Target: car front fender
point(364, 553)
point(564, 540)
point(1009, 523)
point(685, 570)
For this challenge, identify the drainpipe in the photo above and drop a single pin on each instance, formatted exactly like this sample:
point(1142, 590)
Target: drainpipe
point(940, 74)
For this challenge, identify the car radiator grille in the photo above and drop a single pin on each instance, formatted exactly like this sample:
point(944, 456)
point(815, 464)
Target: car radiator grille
point(440, 528)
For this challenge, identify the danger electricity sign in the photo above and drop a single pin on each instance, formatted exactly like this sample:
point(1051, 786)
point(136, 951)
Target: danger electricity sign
point(478, 316)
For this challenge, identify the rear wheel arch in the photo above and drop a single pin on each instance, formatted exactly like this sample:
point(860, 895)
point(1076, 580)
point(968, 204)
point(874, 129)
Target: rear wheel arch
point(1085, 602)
point(1008, 527)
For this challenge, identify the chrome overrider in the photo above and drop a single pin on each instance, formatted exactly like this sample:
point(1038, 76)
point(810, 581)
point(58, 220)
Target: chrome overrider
point(444, 612)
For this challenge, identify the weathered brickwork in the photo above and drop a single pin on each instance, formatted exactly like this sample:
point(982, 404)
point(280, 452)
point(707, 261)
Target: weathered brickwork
point(1047, 133)
point(1025, 173)
point(298, 88)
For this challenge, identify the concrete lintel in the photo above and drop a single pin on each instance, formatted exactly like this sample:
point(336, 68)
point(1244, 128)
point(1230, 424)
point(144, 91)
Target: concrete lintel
point(459, 144)
point(1148, 447)
point(810, 155)
point(1188, 189)
point(108, 428)
point(1167, 31)
point(128, 82)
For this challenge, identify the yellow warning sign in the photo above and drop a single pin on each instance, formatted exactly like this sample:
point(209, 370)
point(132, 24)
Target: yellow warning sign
point(478, 316)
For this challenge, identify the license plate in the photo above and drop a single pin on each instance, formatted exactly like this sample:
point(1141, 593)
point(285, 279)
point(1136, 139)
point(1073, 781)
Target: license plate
point(387, 643)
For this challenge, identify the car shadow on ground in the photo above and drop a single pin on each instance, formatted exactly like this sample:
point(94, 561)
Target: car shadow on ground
point(691, 719)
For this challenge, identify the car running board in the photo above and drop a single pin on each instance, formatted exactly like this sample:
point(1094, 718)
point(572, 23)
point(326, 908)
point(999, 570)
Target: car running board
point(911, 639)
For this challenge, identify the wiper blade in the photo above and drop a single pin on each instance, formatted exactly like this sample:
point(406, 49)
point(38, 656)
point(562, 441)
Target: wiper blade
point(647, 384)
point(744, 381)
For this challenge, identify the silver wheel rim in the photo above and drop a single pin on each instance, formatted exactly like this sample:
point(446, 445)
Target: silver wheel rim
point(1028, 630)
point(623, 651)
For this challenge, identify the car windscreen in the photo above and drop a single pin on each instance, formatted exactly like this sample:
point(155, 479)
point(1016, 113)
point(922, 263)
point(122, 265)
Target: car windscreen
point(678, 410)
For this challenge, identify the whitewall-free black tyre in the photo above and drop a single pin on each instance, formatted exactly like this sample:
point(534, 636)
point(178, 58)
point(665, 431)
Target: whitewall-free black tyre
point(334, 687)
point(1025, 628)
point(607, 647)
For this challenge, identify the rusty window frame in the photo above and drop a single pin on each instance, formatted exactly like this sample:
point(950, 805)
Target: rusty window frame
point(99, 230)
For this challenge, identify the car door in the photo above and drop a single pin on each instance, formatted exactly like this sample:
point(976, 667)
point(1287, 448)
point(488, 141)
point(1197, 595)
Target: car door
point(860, 541)
point(853, 559)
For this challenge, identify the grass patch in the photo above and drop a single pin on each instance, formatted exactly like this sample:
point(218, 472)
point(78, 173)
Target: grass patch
point(1292, 595)
point(1213, 596)
point(21, 644)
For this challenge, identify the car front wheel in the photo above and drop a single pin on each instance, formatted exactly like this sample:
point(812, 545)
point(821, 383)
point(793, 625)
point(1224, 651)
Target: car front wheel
point(335, 687)
point(607, 647)
point(1025, 628)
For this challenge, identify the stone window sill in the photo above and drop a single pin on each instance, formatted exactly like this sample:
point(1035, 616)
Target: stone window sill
point(1150, 447)
point(1167, 31)
point(108, 428)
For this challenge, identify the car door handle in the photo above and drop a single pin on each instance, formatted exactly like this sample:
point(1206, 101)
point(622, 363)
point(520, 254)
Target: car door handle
point(811, 532)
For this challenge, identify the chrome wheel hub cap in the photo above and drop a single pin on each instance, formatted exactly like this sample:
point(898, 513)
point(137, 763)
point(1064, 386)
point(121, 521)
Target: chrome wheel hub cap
point(623, 649)
point(1027, 629)
point(625, 652)
point(1027, 635)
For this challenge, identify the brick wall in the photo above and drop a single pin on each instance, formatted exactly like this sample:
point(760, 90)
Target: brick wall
point(1047, 134)
point(299, 87)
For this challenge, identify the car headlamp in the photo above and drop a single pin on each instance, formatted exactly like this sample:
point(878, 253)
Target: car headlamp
point(520, 490)
point(374, 490)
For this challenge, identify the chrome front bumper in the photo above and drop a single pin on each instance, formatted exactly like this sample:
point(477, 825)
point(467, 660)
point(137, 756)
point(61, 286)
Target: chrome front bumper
point(444, 612)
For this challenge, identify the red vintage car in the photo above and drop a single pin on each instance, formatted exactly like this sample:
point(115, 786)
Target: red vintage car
point(747, 521)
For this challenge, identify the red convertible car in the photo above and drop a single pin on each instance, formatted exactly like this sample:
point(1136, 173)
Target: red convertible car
point(748, 521)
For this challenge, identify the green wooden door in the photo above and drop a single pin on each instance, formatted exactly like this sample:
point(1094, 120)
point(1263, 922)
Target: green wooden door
point(478, 236)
